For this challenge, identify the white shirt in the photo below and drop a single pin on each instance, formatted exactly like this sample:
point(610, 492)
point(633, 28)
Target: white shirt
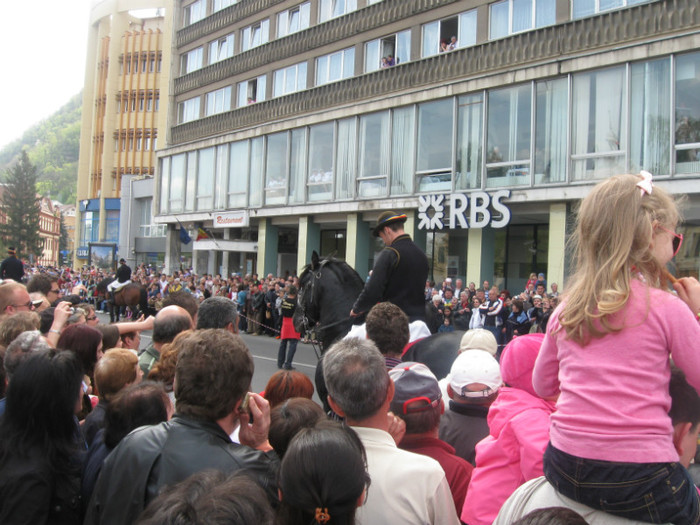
point(406, 488)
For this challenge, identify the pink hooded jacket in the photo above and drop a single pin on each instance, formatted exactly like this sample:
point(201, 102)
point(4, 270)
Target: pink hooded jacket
point(519, 432)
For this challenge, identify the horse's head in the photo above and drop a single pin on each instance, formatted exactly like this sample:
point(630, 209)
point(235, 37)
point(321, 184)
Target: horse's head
point(306, 312)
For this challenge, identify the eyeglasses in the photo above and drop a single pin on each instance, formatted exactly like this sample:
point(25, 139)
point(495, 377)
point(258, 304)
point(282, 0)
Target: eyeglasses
point(55, 290)
point(29, 305)
point(92, 318)
point(677, 240)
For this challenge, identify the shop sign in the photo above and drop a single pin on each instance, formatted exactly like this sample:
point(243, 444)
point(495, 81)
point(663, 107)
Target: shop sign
point(477, 209)
point(232, 219)
point(82, 252)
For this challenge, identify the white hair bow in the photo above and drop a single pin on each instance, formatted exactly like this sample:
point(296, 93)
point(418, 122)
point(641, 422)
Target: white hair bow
point(646, 185)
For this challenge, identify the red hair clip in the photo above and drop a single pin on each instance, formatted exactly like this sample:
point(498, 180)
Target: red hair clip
point(322, 515)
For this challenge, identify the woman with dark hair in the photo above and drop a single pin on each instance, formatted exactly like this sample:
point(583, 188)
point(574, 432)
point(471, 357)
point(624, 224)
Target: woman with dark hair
point(39, 450)
point(86, 343)
point(323, 477)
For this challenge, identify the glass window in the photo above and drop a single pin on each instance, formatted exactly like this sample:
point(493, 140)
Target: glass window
point(164, 181)
point(388, 51)
point(256, 172)
point(449, 34)
point(297, 175)
point(687, 113)
point(222, 164)
point(238, 174)
point(112, 226)
point(333, 8)
point(336, 66)
point(467, 29)
point(470, 118)
point(551, 125)
point(650, 116)
point(190, 181)
point(289, 80)
point(598, 124)
point(276, 167)
point(205, 179)
point(195, 12)
point(513, 16)
point(222, 4)
point(191, 61)
point(188, 110)
point(434, 159)
point(583, 8)
point(320, 181)
point(345, 159)
point(177, 182)
point(221, 49)
point(256, 35)
point(251, 91)
point(508, 136)
point(403, 127)
point(218, 101)
point(293, 20)
point(374, 155)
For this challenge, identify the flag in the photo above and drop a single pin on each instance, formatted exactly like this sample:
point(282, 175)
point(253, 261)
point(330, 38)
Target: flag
point(184, 236)
point(201, 234)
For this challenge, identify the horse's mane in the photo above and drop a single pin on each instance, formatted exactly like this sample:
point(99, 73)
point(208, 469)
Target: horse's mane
point(336, 266)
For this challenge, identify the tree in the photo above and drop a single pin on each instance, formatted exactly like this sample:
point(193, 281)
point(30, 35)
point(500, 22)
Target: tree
point(21, 207)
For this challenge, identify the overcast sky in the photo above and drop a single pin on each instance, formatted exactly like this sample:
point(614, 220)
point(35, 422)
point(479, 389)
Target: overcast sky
point(42, 61)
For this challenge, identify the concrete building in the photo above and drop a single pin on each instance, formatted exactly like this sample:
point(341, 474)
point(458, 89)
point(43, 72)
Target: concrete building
point(124, 110)
point(49, 231)
point(293, 124)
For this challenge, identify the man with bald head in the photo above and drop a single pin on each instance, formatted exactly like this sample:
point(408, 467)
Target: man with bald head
point(169, 322)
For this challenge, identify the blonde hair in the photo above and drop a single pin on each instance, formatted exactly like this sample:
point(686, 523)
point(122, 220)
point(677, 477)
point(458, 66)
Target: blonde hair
point(613, 236)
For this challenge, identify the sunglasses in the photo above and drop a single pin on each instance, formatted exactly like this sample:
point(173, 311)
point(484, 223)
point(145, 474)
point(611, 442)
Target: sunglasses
point(677, 240)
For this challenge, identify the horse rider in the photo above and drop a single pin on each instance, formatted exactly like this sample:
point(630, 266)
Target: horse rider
point(123, 278)
point(12, 267)
point(399, 272)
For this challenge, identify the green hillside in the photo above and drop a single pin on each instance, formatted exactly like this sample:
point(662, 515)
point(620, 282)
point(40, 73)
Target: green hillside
point(53, 146)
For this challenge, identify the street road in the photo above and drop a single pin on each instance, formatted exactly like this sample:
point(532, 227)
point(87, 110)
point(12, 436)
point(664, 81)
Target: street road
point(264, 351)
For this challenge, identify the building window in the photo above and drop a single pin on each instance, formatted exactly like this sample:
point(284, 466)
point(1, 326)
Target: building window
point(687, 113)
point(90, 227)
point(297, 166)
point(551, 125)
point(276, 168)
point(238, 175)
point(293, 20)
point(222, 4)
point(205, 179)
point(434, 158)
point(333, 8)
point(320, 181)
point(470, 131)
point(195, 12)
point(218, 101)
point(583, 8)
point(191, 61)
point(221, 49)
point(599, 130)
point(289, 80)
point(449, 34)
point(375, 150)
point(188, 110)
point(255, 35)
point(256, 172)
point(388, 51)
point(513, 16)
point(112, 226)
point(336, 66)
point(251, 91)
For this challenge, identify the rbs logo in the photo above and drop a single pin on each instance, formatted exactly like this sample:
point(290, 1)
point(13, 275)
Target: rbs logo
point(477, 210)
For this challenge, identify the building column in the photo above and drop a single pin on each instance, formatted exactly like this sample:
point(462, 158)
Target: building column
point(420, 237)
point(357, 239)
point(200, 261)
point(480, 255)
point(268, 241)
point(172, 249)
point(309, 240)
point(225, 273)
point(557, 244)
point(211, 262)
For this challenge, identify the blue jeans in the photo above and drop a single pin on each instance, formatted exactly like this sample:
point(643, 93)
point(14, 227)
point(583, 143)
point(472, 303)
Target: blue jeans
point(651, 492)
point(284, 356)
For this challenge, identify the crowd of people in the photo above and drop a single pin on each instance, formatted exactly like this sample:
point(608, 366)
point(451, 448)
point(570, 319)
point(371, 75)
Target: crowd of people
point(581, 412)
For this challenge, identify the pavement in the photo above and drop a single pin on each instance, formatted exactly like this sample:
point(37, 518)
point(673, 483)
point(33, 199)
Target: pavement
point(264, 351)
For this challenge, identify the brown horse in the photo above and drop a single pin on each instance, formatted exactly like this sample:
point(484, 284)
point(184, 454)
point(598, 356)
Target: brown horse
point(132, 295)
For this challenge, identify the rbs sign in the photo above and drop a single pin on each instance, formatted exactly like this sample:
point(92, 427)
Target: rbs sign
point(477, 210)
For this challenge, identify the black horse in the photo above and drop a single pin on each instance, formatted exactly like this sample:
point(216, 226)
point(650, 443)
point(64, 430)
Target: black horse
point(132, 295)
point(328, 289)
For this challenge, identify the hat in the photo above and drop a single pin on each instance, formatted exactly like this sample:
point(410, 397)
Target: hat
point(11, 250)
point(386, 218)
point(478, 339)
point(474, 366)
point(518, 361)
point(122, 260)
point(415, 388)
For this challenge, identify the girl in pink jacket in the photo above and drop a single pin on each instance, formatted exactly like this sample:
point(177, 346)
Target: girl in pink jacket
point(607, 351)
point(518, 434)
